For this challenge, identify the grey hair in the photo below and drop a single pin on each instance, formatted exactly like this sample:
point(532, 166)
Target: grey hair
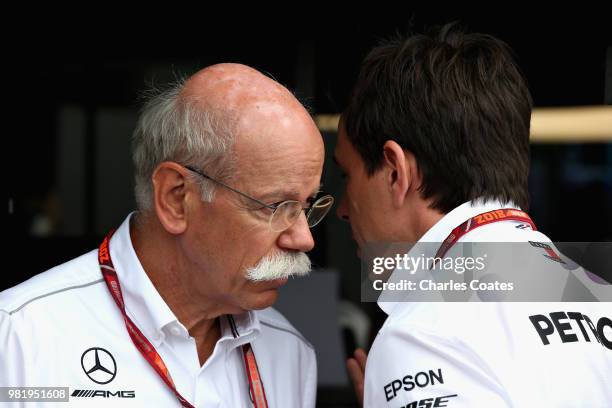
point(172, 127)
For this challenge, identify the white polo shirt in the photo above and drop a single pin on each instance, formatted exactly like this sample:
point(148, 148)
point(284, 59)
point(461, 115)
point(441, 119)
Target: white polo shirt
point(53, 326)
point(435, 354)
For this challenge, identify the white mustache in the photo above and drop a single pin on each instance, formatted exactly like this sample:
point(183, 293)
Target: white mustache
point(278, 266)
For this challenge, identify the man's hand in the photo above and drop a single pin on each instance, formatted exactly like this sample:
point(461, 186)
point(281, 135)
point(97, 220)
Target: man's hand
point(356, 369)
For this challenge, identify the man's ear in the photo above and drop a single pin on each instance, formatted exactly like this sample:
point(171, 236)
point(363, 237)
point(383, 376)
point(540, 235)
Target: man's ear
point(169, 194)
point(400, 171)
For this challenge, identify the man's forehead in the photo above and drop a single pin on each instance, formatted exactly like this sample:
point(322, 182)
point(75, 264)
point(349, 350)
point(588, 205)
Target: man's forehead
point(284, 192)
point(289, 168)
point(283, 186)
point(273, 132)
point(294, 170)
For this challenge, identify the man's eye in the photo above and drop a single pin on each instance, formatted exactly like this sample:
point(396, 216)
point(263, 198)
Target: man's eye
point(343, 175)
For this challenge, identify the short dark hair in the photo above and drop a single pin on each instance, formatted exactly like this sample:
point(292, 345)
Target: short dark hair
point(458, 102)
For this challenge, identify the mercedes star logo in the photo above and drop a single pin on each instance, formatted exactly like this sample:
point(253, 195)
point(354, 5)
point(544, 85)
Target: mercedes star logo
point(99, 365)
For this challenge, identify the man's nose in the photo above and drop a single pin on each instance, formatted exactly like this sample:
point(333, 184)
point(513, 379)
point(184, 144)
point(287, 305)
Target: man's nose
point(298, 237)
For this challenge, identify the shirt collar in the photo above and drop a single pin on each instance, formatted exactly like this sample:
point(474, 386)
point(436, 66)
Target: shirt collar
point(147, 308)
point(240, 329)
point(441, 230)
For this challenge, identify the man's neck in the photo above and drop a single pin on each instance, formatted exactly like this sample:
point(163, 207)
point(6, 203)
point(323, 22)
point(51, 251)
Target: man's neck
point(419, 219)
point(158, 256)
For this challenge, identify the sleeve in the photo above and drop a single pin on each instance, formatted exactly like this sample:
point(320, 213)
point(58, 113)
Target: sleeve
point(310, 382)
point(11, 354)
point(413, 368)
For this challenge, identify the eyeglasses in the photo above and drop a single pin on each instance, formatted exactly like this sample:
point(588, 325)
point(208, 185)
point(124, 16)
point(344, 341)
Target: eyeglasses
point(285, 213)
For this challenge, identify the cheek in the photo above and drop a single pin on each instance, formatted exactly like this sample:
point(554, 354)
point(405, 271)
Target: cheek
point(353, 205)
point(361, 199)
point(363, 206)
point(353, 196)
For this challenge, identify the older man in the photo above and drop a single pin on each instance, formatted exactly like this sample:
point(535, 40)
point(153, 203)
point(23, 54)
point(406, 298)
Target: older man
point(167, 311)
point(435, 147)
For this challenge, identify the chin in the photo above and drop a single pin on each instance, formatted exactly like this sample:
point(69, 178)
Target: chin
point(262, 300)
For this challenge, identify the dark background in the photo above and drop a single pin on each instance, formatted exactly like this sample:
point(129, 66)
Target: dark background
point(75, 86)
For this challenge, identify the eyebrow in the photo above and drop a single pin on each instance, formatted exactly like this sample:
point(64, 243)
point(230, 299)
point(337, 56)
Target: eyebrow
point(288, 193)
point(318, 190)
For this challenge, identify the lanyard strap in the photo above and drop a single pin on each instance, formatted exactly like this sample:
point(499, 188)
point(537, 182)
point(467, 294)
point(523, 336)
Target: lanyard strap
point(149, 352)
point(480, 220)
point(256, 387)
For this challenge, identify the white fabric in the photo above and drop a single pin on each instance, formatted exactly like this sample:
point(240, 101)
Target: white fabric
point(49, 321)
point(487, 354)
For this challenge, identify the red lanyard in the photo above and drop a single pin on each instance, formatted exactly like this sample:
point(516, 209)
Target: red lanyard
point(256, 388)
point(480, 220)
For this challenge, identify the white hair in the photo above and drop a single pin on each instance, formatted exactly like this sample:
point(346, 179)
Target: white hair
point(172, 127)
point(278, 266)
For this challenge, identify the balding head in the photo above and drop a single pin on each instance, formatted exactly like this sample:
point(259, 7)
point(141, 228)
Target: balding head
point(233, 87)
point(242, 97)
point(230, 113)
point(262, 115)
point(200, 120)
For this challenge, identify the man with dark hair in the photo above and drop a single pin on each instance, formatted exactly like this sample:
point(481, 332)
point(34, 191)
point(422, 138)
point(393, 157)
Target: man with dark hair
point(435, 139)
